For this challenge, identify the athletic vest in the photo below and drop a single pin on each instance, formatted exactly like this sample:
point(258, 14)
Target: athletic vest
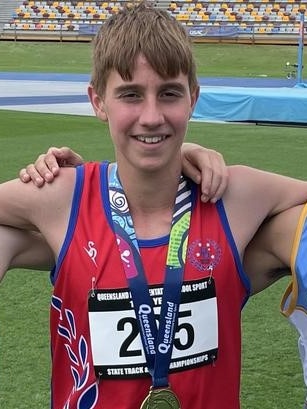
point(89, 260)
point(294, 301)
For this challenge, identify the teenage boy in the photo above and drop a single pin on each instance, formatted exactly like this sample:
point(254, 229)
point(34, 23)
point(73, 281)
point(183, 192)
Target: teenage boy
point(134, 244)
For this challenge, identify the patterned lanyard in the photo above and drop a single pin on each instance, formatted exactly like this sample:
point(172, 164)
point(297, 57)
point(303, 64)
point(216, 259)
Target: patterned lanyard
point(157, 343)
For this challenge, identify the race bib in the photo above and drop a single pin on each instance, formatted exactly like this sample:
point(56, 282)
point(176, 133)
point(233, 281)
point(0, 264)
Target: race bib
point(115, 339)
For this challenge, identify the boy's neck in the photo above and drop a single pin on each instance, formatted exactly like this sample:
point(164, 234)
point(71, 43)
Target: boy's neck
point(151, 199)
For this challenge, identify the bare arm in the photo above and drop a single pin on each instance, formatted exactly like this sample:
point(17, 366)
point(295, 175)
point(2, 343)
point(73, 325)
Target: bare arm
point(24, 249)
point(46, 210)
point(268, 256)
point(253, 196)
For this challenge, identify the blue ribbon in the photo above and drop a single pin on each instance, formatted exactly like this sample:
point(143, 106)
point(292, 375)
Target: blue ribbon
point(157, 343)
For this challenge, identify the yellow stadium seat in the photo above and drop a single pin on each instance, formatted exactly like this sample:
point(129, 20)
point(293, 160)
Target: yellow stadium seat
point(182, 17)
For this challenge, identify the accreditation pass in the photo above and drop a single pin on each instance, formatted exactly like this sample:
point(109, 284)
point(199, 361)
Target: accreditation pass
point(116, 343)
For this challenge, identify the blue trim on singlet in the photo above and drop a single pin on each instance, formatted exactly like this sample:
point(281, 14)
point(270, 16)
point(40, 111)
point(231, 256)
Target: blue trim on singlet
point(104, 192)
point(244, 278)
point(72, 221)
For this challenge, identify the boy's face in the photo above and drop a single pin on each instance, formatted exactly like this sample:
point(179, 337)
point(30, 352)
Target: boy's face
point(147, 116)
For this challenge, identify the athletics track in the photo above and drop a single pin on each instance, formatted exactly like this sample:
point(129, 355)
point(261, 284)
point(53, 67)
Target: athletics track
point(222, 99)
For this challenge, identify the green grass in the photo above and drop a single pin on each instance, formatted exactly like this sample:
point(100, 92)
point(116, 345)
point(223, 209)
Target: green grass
point(272, 377)
point(233, 60)
point(212, 59)
point(45, 57)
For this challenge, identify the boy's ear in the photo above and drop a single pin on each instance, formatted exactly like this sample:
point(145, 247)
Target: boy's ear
point(194, 98)
point(97, 104)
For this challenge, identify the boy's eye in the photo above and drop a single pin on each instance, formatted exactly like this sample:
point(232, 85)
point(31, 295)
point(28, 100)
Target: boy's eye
point(171, 93)
point(131, 95)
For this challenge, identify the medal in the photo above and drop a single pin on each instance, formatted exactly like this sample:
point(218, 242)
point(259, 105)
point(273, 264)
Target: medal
point(161, 398)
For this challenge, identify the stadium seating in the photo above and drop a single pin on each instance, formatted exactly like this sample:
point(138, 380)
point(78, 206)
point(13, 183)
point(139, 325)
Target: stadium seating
point(241, 17)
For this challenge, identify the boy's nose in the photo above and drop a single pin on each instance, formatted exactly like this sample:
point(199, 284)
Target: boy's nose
point(151, 114)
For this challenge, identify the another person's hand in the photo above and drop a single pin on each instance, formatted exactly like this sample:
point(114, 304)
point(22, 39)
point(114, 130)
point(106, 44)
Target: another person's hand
point(207, 168)
point(47, 165)
point(204, 166)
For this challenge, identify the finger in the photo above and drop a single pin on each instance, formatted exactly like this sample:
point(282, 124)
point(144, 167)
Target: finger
point(23, 176)
point(219, 179)
point(46, 167)
point(49, 163)
point(221, 186)
point(34, 175)
point(214, 177)
point(66, 156)
point(207, 190)
point(191, 171)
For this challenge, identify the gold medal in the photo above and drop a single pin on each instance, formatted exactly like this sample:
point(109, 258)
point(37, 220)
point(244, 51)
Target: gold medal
point(161, 398)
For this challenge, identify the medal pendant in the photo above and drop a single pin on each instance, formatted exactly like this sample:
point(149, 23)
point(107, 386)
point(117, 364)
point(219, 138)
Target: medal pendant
point(161, 398)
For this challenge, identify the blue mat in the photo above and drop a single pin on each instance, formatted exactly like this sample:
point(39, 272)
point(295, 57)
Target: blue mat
point(241, 104)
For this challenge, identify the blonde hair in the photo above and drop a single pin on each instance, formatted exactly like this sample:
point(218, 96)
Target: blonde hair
point(142, 29)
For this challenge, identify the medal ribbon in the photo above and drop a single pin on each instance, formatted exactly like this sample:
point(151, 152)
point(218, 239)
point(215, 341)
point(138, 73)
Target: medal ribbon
point(157, 343)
